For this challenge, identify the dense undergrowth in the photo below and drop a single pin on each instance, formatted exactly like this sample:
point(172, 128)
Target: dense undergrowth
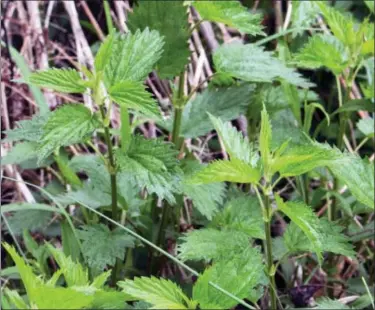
point(255, 191)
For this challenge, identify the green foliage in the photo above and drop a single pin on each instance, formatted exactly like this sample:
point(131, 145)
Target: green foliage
point(72, 123)
point(32, 220)
point(235, 144)
point(323, 51)
point(233, 170)
point(132, 56)
point(161, 293)
point(152, 164)
point(28, 130)
point(226, 103)
point(205, 197)
point(209, 243)
point(243, 214)
point(105, 51)
point(132, 94)
point(231, 13)
point(358, 175)
point(327, 303)
point(170, 20)
point(251, 63)
point(20, 153)
point(101, 246)
point(61, 80)
point(366, 126)
point(243, 272)
point(332, 238)
point(306, 220)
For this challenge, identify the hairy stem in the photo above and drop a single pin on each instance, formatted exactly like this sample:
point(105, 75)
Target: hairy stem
point(267, 214)
point(271, 275)
point(178, 106)
point(125, 128)
point(112, 172)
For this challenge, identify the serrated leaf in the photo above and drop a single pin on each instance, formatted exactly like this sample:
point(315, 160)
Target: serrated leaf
point(226, 103)
point(206, 198)
point(306, 220)
point(323, 51)
point(243, 273)
point(152, 164)
point(232, 14)
point(233, 170)
point(61, 80)
point(170, 19)
point(161, 293)
point(300, 159)
point(304, 14)
point(105, 51)
point(327, 303)
point(74, 273)
point(358, 175)
point(28, 130)
point(60, 298)
point(109, 300)
point(236, 145)
point(101, 246)
point(132, 94)
point(243, 214)
point(366, 126)
point(265, 138)
point(133, 56)
point(20, 153)
point(31, 220)
point(209, 243)
point(251, 63)
point(70, 124)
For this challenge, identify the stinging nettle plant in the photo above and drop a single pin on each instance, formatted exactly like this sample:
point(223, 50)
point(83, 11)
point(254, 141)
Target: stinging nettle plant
point(140, 185)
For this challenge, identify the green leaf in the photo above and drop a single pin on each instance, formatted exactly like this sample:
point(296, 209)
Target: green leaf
point(170, 19)
point(242, 273)
point(206, 198)
point(15, 299)
point(105, 51)
point(208, 243)
point(72, 123)
point(24, 206)
point(370, 5)
point(326, 304)
point(60, 298)
point(29, 130)
point(30, 281)
point(61, 80)
point(356, 105)
point(32, 220)
point(132, 94)
point(101, 246)
point(366, 126)
point(251, 63)
point(232, 14)
point(323, 51)
point(152, 164)
point(225, 103)
point(265, 139)
point(300, 159)
point(161, 293)
point(69, 242)
point(233, 170)
point(74, 273)
point(243, 214)
point(331, 235)
point(133, 56)
point(358, 175)
point(235, 144)
point(109, 300)
point(306, 220)
point(304, 14)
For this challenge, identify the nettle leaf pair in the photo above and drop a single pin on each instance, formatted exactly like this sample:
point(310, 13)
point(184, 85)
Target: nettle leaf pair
point(79, 292)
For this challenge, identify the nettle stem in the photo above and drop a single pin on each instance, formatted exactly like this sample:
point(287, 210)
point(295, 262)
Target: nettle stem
point(267, 217)
point(112, 172)
point(178, 109)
